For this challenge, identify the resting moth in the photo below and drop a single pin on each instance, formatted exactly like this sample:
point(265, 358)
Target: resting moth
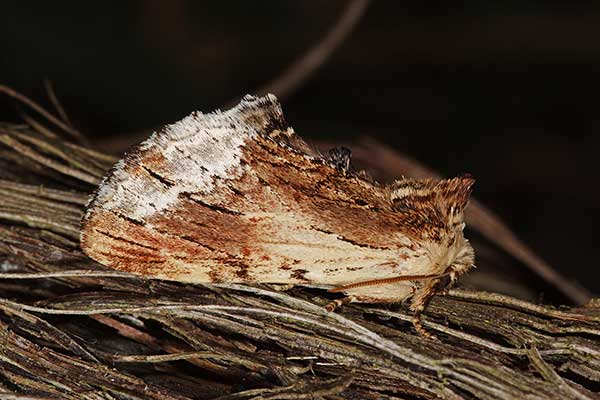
point(237, 196)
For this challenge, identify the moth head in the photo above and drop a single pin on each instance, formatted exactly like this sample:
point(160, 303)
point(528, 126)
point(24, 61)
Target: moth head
point(432, 208)
point(432, 212)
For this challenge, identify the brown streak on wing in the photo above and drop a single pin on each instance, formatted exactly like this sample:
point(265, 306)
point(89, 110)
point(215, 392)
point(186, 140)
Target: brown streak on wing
point(356, 210)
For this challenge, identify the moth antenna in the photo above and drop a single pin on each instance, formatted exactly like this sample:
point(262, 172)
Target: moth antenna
point(385, 281)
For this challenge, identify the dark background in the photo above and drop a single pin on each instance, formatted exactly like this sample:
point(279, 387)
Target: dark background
point(505, 90)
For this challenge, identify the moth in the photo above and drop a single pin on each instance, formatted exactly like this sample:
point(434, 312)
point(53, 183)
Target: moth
point(237, 196)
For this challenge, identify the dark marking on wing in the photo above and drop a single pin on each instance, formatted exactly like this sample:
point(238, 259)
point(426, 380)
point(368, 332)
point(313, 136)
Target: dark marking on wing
point(215, 207)
point(166, 182)
point(124, 240)
point(299, 274)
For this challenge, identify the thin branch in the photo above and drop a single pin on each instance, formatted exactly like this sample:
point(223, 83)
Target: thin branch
point(39, 109)
point(62, 152)
point(56, 103)
point(44, 192)
point(160, 358)
point(68, 274)
point(495, 298)
point(12, 396)
point(308, 63)
point(548, 373)
point(62, 168)
point(464, 336)
point(38, 127)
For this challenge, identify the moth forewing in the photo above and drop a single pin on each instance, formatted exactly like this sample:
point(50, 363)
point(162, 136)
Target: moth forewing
point(237, 196)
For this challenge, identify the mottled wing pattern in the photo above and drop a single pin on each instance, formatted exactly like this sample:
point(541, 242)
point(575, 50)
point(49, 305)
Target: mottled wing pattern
point(236, 196)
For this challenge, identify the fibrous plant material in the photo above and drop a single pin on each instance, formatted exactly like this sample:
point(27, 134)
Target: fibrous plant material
point(69, 328)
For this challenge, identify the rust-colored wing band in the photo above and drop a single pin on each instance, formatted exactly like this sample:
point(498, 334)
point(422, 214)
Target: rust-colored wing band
point(386, 281)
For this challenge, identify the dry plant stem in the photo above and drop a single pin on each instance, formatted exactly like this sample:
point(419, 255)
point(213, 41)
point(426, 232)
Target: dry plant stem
point(64, 153)
point(71, 329)
point(54, 100)
point(45, 161)
point(549, 374)
point(478, 217)
point(308, 63)
point(491, 226)
point(105, 159)
point(494, 298)
point(44, 192)
point(39, 109)
point(38, 126)
point(65, 274)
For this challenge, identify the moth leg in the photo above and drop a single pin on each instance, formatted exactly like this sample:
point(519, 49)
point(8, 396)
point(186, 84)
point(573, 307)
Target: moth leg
point(455, 271)
point(435, 286)
point(339, 302)
point(378, 294)
point(420, 301)
point(447, 284)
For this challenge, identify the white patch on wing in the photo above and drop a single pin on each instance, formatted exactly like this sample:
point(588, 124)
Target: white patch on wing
point(194, 151)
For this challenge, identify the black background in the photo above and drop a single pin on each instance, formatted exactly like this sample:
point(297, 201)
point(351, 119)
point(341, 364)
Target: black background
point(506, 90)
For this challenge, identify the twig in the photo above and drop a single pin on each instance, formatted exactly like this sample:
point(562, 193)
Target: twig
point(464, 336)
point(63, 153)
point(306, 65)
point(495, 298)
point(171, 357)
point(39, 109)
point(551, 375)
point(41, 191)
point(54, 100)
point(38, 127)
point(62, 168)
point(67, 274)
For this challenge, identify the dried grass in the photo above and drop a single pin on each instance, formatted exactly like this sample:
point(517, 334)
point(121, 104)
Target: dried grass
point(71, 329)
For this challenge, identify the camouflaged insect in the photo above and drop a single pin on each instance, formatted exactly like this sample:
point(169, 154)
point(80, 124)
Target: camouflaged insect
point(237, 196)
